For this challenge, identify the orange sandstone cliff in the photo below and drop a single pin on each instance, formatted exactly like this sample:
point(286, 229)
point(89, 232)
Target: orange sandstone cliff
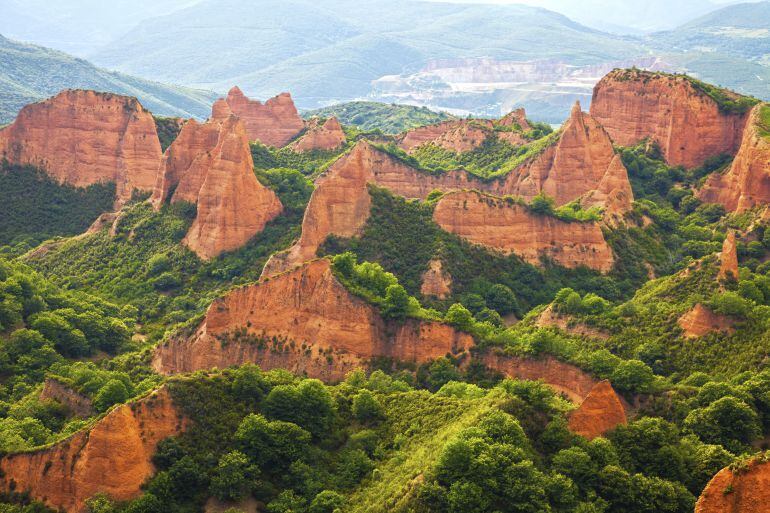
point(746, 183)
point(305, 321)
point(601, 411)
point(84, 137)
point(506, 226)
point(210, 164)
point(113, 457)
point(340, 203)
point(743, 491)
point(273, 123)
point(700, 321)
point(326, 136)
point(580, 164)
point(689, 126)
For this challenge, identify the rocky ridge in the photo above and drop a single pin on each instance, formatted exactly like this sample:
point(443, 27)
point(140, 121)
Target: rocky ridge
point(85, 137)
point(738, 491)
point(746, 184)
point(325, 136)
point(687, 124)
point(273, 123)
point(210, 164)
point(114, 456)
point(509, 227)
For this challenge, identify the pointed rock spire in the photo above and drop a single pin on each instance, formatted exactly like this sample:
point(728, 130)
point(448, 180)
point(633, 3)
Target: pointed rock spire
point(728, 267)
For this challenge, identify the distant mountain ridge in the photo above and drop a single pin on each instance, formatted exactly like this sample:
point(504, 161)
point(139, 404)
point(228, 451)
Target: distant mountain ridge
point(30, 73)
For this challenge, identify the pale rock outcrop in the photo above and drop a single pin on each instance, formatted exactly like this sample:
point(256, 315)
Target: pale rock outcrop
point(601, 411)
point(274, 123)
point(746, 184)
point(435, 281)
point(633, 105)
point(84, 137)
point(700, 321)
point(509, 227)
point(743, 491)
point(210, 164)
point(327, 136)
point(112, 457)
point(728, 259)
point(306, 321)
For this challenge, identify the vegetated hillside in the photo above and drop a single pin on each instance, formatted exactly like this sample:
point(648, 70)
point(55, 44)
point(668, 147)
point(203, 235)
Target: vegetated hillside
point(264, 59)
point(81, 320)
point(30, 73)
point(389, 118)
point(737, 30)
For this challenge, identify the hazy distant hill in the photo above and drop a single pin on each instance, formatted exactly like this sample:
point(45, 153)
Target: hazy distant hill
point(336, 52)
point(739, 30)
point(29, 73)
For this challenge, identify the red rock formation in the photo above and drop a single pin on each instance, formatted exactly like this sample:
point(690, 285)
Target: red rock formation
point(580, 163)
point(113, 457)
point(600, 412)
point(562, 377)
point(506, 226)
point(340, 203)
point(633, 105)
point(701, 321)
point(516, 118)
point(210, 165)
point(435, 282)
point(747, 183)
point(458, 136)
point(84, 137)
point(728, 267)
point(327, 136)
point(744, 491)
point(274, 123)
point(305, 321)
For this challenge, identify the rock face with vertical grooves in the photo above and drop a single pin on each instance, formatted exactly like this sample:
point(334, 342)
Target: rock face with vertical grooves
point(599, 412)
point(113, 457)
point(306, 321)
point(210, 164)
point(746, 183)
point(747, 491)
point(458, 136)
point(84, 137)
point(273, 123)
point(340, 203)
point(509, 227)
point(687, 124)
point(320, 136)
point(580, 164)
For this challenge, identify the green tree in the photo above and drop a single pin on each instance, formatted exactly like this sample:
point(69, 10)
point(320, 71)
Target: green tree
point(326, 502)
point(233, 477)
point(367, 408)
point(727, 421)
point(397, 303)
point(113, 392)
